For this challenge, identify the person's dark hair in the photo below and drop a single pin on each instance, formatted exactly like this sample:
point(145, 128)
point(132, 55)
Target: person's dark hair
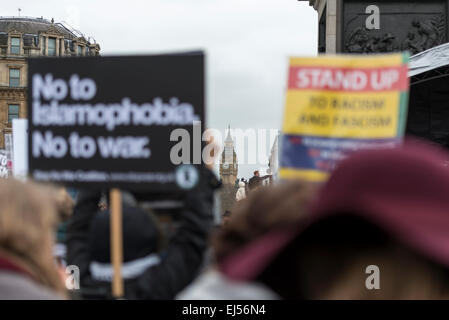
point(141, 234)
point(256, 172)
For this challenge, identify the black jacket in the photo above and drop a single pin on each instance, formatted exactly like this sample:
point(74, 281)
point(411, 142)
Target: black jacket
point(178, 267)
point(256, 181)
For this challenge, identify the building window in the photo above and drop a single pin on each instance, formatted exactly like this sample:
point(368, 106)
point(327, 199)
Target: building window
point(15, 45)
point(13, 112)
point(52, 46)
point(14, 77)
point(43, 45)
point(80, 50)
point(26, 52)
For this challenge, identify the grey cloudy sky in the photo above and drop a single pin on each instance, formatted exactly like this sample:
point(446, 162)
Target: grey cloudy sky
point(247, 43)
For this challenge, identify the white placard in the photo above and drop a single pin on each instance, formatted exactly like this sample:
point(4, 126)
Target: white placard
point(20, 148)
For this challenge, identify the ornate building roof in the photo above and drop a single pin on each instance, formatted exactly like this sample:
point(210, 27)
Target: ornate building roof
point(35, 26)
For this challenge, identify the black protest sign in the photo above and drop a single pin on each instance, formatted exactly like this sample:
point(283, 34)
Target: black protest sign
point(109, 121)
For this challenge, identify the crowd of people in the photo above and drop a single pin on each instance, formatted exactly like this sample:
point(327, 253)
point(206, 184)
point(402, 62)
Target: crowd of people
point(382, 213)
point(256, 181)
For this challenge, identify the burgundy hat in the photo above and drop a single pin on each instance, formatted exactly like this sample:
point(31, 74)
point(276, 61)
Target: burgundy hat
point(404, 191)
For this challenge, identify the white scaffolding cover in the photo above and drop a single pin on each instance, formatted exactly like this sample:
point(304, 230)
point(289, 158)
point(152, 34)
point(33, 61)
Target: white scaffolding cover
point(430, 59)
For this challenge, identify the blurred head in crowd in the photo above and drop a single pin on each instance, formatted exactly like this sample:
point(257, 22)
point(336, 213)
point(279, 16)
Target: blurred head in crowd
point(264, 209)
point(378, 229)
point(64, 209)
point(225, 217)
point(256, 173)
point(28, 218)
point(103, 204)
point(64, 203)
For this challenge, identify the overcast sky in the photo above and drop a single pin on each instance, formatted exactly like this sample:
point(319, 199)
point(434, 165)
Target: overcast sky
point(247, 43)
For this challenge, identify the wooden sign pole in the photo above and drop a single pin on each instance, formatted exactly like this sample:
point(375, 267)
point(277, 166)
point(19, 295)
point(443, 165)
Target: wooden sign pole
point(116, 242)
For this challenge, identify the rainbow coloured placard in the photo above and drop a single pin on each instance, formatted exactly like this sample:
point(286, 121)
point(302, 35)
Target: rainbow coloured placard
point(340, 104)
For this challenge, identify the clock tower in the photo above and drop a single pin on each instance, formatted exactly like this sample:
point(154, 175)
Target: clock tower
point(228, 162)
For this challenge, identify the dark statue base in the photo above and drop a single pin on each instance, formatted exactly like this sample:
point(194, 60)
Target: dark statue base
point(404, 26)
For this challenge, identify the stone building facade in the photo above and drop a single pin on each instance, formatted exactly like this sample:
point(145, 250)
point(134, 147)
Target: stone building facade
point(24, 37)
point(328, 24)
point(228, 174)
point(273, 159)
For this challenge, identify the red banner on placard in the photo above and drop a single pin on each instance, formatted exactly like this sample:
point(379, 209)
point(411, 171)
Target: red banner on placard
point(348, 79)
